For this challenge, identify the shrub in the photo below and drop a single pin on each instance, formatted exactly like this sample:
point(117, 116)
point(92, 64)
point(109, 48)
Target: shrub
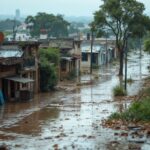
point(115, 115)
point(48, 77)
point(138, 111)
point(119, 91)
point(49, 60)
point(130, 80)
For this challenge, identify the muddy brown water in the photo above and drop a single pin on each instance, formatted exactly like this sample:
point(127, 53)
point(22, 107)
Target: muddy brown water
point(72, 120)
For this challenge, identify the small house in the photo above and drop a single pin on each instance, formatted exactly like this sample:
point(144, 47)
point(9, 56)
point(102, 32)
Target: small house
point(70, 53)
point(100, 54)
point(19, 70)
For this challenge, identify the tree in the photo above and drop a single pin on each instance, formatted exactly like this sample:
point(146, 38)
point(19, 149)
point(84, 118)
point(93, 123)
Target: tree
point(147, 45)
point(122, 17)
point(49, 61)
point(53, 25)
point(8, 24)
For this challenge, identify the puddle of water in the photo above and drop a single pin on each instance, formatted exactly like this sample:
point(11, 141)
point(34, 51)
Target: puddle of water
point(32, 123)
point(70, 120)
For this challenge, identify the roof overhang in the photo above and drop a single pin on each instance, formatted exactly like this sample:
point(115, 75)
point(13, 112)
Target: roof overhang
point(19, 79)
point(67, 58)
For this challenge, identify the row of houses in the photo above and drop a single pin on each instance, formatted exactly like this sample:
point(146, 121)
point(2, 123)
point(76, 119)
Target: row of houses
point(70, 55)
point(19, 70)
point(103, 52)
point(19, 64)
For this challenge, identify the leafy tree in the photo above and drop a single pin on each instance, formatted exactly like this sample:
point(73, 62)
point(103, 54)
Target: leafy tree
point(8, 24)
point(53, 25)
point(49, 60)
point(122, 17)
point(73, 28)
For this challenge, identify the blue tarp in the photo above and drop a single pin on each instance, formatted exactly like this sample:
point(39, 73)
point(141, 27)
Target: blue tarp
point(1, 98)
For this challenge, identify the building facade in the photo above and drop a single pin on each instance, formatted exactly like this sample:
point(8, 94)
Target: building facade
point(101, 54)
point(70, 52)
point(19, 71)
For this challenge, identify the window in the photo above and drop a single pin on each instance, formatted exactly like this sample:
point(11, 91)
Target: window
point(84, 57)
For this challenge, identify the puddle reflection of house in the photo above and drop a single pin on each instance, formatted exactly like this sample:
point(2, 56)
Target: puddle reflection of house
point(100, 55)
point(70, 55)
point(18, 70)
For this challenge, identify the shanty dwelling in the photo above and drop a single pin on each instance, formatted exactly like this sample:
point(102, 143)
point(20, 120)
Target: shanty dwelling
point(18, 71)
point(70, 56)
point(100, 55)
point(71, 59)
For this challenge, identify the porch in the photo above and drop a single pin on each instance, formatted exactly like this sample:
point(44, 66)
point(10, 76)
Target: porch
point(17, 88)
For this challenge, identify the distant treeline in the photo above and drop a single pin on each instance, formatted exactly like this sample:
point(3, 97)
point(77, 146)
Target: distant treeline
point(8, 24)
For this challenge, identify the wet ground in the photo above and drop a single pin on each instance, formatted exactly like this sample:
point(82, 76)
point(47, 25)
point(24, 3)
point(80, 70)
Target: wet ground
point(71, 119)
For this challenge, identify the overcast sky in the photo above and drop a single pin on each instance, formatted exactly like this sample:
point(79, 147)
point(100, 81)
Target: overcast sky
point(65, 7)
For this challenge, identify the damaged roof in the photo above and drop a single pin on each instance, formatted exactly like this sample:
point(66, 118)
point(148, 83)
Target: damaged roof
point(10, 51)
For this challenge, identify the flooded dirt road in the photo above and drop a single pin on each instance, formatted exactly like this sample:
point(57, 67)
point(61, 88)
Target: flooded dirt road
point(71, 119)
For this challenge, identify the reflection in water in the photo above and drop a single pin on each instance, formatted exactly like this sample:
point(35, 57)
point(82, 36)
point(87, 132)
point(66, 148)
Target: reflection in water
point(70, 120)
point(121, 81)
point(32, 124)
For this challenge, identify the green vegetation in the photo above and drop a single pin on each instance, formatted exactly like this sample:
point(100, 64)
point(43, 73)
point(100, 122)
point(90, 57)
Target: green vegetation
point(122, 17)
point(8, 24)
point(130, 80)
point(119, 91)
point(147, 45)
point(49, 60)
point(50, 24)
point(138, 111)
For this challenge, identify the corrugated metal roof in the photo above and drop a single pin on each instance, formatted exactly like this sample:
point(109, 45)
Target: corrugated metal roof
point(86, 47)
point(10, 53)
point(20, 79)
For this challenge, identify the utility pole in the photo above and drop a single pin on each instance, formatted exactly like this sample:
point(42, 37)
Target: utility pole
point(106, 48)
point(140, 42)
point(92, 40)
point(126, 53)
point(14, 30)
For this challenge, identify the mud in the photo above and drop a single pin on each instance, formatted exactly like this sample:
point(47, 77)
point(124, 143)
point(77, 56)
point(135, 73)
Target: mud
point(71, 119)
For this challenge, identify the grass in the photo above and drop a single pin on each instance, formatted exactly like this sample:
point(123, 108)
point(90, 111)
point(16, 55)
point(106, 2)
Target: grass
point(138, 111)
point(119, 91)
point(130, 80)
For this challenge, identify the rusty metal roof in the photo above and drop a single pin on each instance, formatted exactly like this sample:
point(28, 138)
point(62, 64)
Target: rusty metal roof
point(9, 52)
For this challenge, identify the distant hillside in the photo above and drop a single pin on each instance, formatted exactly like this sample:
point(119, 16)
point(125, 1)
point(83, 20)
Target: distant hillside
point(4, 17)
point(11, 17)
point(83, 19)
point(8, 24)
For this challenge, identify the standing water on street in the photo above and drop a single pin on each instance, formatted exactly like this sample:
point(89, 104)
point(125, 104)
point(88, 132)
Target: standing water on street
point(72, 119)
